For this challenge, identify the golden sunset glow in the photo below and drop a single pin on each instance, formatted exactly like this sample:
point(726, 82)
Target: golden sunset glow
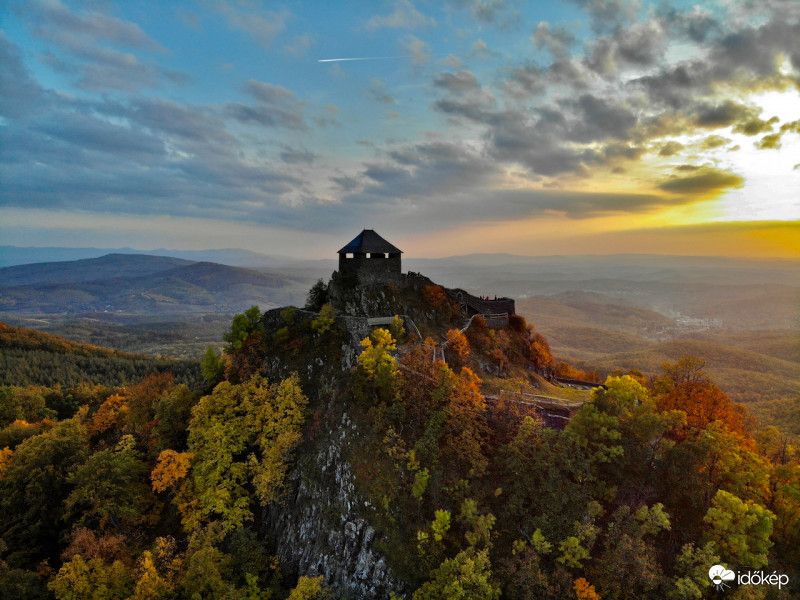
point(569, 132)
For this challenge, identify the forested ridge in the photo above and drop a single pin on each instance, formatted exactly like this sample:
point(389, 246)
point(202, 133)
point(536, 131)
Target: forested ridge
point(158, 490)
point(29, 357)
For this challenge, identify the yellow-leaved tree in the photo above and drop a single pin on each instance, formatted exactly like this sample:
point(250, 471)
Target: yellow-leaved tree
point(239, 436)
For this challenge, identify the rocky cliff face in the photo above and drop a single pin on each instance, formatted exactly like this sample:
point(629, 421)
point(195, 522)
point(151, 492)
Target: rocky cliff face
point(320, 528)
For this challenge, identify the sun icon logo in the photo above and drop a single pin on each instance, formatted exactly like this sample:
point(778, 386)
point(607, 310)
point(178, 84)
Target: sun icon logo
point(719, 575)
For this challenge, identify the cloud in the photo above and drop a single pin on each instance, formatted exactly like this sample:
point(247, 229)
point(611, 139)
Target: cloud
point(714, 141)
point(598, 119)
point(20, 94)
point(755, 126)
point(609, 14)
point(55, 22)
point(297, 156)
point(418, 50)
point(696, 26)
point(191, 123)
point(189, 18)
point(346, 183)
point(405, 16)
point(86, 42)
point(769, 142)
point(478, 106)
point(299, 46)
point(377, 89)
point(642, 44)
point(705, 182)
point(499, 12)
point(744, 119)
point(451, 61)
point(277, 107)
point(98, 135)
point(263, 26)
point(457, 83)
point(746, 58)
point(525, 81)
point(556, 40)
point(670, 148)
point(327, 117)
point(793, 126)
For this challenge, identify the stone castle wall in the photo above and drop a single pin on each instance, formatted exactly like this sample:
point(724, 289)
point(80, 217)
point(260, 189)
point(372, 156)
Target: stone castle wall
point(370, 267)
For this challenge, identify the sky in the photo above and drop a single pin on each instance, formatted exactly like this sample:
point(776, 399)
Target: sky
point(448, 126)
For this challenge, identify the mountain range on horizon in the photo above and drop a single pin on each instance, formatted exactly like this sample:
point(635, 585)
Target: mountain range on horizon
point(141, 284)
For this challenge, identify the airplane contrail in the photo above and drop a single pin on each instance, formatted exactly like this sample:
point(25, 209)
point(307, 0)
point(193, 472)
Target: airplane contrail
point(358, 58)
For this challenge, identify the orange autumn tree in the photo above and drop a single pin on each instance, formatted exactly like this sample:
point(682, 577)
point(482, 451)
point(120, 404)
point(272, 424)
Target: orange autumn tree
point(465, 427)
point(704, 403)
point(685, 386)
point(110, 413)
point(437, 299)
point(585, 590)
point(171, 467)
point(457, 349)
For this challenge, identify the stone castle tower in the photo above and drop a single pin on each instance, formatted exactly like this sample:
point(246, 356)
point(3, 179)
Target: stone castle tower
point(370, 257)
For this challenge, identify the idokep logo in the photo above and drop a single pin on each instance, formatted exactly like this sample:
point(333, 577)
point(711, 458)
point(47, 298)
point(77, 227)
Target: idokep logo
point(719, 575)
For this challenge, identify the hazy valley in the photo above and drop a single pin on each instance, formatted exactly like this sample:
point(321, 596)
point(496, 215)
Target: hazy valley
point(598, 313)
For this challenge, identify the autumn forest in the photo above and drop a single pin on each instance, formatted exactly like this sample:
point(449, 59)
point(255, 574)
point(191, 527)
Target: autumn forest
point(188, 484)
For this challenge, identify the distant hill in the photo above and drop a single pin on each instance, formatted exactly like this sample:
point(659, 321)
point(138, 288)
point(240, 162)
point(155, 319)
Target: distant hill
point(590, 331)
point(123, 283)
point(17, 255)
point(89, 269)
point(30, 357)
point(591, 309)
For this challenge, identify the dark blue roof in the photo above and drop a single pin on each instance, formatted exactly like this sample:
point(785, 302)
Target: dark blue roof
point(368, 241)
